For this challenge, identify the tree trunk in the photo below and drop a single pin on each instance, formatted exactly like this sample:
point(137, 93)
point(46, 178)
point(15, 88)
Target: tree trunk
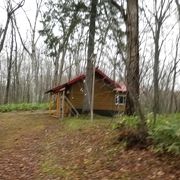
point(4, 33)
point(89, 67)
point(6, 98)
point(178, 8)
point(62, 62)
point(133, 105)
point(132, 65)
point(156, 71)
point(174, 76)
point(56, 68)
point(16, 74)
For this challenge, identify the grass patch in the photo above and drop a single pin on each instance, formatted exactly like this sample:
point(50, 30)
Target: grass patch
point(84, 122)
point(76, 123)
point(125, 121)
point(50, 167)
point(23, 107)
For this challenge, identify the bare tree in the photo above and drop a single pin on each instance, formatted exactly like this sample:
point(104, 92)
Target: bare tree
point(32, 50)
point(160, 15)
point(9, 65)
point(10, 11)
point(18, 58)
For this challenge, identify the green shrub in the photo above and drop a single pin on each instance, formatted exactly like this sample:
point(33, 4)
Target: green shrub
point(23, 107)
point(166, 135)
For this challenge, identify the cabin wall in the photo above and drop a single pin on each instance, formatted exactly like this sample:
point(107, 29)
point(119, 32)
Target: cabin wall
point(76, 95)
point(104, 96)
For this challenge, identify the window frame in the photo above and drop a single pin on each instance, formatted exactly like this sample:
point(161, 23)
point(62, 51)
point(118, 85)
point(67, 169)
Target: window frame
point(118, 98)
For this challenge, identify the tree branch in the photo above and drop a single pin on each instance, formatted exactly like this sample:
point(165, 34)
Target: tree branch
point(10, 12)
point(121, 9)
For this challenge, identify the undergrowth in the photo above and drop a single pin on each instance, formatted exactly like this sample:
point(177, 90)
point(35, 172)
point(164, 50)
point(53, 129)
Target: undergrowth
point(23, 107)
point(166, 134)
point(163, 137)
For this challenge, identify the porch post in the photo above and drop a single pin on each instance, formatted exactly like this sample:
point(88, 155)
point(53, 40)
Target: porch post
point(63, 98)
point(50, 103)
point(92, 95)
point(57, 104)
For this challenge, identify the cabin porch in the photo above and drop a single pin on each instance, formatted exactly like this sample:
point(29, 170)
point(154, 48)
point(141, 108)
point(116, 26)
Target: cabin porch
point(60, 106)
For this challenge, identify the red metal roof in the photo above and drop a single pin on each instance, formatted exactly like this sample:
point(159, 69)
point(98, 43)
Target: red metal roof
point(117, 86)
point(121, 89)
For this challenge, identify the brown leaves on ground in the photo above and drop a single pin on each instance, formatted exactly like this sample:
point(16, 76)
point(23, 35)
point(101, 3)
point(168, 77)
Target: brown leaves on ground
point(37, 146)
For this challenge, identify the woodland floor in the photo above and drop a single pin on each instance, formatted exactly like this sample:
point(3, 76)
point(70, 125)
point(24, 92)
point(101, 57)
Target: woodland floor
point(34, 145)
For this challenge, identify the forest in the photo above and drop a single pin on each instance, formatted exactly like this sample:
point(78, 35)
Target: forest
point(54, 48)
point(47, 43)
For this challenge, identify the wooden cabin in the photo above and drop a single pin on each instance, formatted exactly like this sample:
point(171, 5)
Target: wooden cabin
point(109, 96)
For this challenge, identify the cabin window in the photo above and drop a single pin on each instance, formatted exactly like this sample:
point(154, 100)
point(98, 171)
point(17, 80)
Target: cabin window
point(120, 99)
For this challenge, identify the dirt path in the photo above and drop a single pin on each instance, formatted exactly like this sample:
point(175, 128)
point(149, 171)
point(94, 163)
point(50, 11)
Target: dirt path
point(20, 144)
point(35, 146)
